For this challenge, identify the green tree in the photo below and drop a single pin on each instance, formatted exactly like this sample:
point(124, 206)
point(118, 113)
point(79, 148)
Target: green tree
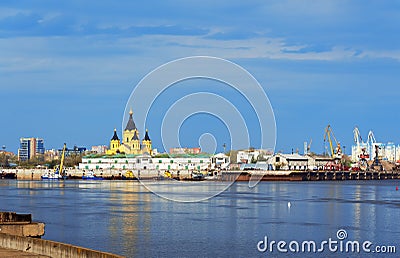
point(72, 160)
point(3, 159)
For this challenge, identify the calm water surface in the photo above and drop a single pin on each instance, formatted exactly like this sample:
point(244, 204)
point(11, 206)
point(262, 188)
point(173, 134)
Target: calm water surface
point(124, 218)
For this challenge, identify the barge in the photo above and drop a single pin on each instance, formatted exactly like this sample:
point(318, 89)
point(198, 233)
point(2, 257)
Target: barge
point(310, 175)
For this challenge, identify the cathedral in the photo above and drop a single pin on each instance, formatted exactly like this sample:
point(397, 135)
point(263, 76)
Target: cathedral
point(130, 140)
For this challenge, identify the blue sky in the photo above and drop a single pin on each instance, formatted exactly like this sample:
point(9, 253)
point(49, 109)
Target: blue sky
point(67, 68)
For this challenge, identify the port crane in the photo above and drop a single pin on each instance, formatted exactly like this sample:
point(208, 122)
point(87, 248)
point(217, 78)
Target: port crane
point(329, 135)
point(363, 155)
point(309, 146)
point(60, 168)
point(357, 137)
point(335, 153)
point(371, 143)
point(371, 137)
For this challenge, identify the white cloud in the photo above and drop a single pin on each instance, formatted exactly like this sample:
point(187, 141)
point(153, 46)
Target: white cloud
point(273, 48)
point(96, 57)
point(395, 54)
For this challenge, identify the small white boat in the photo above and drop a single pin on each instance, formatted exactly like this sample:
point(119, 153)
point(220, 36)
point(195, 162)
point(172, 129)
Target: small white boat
point(91, 176)
point(51, 176)
point(211, 176)
point(197, 176)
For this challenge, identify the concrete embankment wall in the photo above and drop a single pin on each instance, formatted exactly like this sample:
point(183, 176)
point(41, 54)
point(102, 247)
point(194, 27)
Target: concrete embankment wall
point(35, 174)
point(27, 174)
point(232, 175)
point(49, 248)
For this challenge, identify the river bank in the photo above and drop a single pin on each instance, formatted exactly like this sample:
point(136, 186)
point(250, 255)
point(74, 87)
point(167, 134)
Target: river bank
point(228, 175)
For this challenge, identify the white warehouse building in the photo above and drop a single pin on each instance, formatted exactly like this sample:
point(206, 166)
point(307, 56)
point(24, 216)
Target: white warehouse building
point(145, 161)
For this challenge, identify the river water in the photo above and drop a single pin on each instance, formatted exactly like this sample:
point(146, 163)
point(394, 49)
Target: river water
point(125, 218)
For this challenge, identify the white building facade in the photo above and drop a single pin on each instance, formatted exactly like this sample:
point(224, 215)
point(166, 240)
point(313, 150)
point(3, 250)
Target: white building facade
point(294, 161)
point(145, 162)
point(250, 155)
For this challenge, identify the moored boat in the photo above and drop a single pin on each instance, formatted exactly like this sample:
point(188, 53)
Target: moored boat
point(58, 172)
point(4, 175)
point(91, 176)
point(128, 176)
point(51, 176)
point(197, 176)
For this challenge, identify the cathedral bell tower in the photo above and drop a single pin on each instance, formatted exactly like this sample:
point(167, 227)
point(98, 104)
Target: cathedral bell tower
point(146, 143)
point(130, 130)
point(135, 143)
point(114, 144)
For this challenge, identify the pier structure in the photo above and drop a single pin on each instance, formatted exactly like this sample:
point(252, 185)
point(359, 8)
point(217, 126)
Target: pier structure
point(227, 175)
point(20, 225)
point(20, 237)
point(310, 175)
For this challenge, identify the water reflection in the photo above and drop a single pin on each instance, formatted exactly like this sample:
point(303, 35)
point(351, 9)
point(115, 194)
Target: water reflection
point(125, 218)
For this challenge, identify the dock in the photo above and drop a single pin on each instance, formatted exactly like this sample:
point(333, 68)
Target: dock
point(311, 175)
point(20, 237)
point(223, 175)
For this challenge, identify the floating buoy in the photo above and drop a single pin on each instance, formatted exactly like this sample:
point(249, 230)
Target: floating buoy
point(289, 205)
point(397, 188)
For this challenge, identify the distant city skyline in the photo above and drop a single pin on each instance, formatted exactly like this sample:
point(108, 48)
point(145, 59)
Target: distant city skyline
point(67, 70)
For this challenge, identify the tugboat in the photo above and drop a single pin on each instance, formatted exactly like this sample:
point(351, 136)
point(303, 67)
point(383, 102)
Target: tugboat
point(91, 176)
point(128, 175)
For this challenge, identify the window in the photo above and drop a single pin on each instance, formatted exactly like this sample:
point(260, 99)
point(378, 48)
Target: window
point(126, 161)
point(115, 161)
point(171, 161)
point(160, 161)
point(89, 161)
point(201, 161)
point(189, 161)
point(277, 159)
